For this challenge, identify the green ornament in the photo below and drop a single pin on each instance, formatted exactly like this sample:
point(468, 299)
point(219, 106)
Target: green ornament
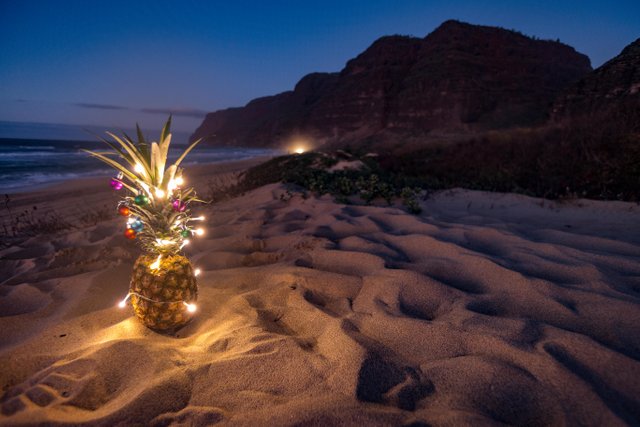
point(186, 233)
point(141, 199)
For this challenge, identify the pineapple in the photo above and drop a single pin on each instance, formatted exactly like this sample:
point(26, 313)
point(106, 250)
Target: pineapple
point(173, 280)
point(163, 286)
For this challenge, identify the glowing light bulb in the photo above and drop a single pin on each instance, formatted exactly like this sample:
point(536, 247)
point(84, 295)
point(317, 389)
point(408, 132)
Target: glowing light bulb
point(178, 181)
point(138, 168)
point(123, 303)
point(197, 272)
point(299, 150)
point(199, 231)
point(198, 218)
point(156, 263)
point(159, 193)
point(191, 308)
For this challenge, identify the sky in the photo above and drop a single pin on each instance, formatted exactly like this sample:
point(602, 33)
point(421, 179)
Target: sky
point(115, 63)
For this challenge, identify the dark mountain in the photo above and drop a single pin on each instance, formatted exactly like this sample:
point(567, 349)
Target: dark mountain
point(459, 79)
point(611, 90)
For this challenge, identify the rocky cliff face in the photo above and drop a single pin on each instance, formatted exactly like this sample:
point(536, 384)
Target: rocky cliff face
point(460, 78)
point(612, 88)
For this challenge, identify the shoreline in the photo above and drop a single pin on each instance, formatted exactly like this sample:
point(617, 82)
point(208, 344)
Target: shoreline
point(31, 188)
point(74, 198)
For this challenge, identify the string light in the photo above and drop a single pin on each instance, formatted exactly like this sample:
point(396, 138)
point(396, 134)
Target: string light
point(199, 231)
point(178, 181)
point(197, 218)
point(160, 193)
point(197, 272)
point(191, 308)
point(138, 168)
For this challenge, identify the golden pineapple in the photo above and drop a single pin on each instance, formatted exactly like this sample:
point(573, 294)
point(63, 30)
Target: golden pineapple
point(163, 287)
point(164, 291)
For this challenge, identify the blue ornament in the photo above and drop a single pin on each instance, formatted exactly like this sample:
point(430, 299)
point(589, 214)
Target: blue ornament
point(137, 225)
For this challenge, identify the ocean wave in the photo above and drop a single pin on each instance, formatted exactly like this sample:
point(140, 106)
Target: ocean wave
point(36, 147)
point(34, 179)
point(20, 154)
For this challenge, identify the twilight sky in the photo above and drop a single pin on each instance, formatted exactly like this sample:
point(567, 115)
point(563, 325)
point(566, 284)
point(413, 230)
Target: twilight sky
point(112, 63)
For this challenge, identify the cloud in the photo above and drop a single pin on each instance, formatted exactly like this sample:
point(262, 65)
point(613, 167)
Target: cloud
point(184, 112)
point(100, 106)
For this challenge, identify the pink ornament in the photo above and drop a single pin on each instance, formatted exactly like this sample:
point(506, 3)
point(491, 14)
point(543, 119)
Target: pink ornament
point(115, 184)
point(179, 206)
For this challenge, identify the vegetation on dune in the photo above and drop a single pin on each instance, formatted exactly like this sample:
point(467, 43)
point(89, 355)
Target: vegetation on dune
point(597, 159)
point(312, 172)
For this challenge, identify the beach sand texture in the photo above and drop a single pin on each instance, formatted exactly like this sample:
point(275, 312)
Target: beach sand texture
point(484, 309)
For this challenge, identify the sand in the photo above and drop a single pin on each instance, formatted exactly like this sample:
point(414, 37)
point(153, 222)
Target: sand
point(486, 309)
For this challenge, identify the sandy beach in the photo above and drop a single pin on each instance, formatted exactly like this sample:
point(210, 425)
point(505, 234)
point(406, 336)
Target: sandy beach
point(485, 309)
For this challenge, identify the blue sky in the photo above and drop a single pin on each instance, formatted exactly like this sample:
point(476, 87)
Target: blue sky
point(113, 63)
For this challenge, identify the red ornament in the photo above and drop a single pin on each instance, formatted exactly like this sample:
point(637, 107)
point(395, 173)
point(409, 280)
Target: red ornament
point(130, 233)
point(124, 211)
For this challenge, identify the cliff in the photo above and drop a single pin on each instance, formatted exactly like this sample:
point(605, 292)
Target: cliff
point(459, 79)
point(611, 91)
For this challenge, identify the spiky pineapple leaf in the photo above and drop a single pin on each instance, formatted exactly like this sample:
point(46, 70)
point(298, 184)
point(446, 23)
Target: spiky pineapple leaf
point(184, 154)
point(140, 135)
point(166, 130)
point(113, 164)
point(135, 155)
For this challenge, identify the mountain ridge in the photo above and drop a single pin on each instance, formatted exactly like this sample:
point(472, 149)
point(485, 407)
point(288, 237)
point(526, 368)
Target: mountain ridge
point(460, 78)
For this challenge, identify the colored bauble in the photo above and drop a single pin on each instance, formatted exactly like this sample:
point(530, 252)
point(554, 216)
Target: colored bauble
point(159, 295)
point(137, 225)
point(130, 233)
point(141, 200)
point(178, 205)
point(115, 184)
point(124, 211)
point(185, 233)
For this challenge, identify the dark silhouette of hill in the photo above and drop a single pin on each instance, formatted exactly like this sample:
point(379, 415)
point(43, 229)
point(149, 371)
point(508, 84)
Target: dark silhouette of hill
point(458, 80)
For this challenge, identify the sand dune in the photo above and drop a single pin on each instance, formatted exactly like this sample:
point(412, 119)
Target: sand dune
point(486, 309)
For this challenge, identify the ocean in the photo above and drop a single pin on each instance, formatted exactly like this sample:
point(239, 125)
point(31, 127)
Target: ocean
point(28, 164)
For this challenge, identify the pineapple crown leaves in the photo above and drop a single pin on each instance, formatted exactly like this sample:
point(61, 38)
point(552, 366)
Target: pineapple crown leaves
point(144, 171)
